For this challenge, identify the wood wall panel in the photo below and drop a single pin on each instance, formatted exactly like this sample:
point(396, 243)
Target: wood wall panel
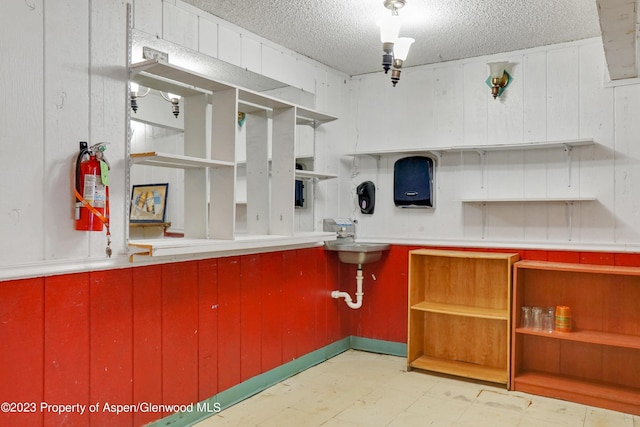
point(290, 335)
point(179, 333)
point(250, 316)
point(320, 297)
point(337, 316)
point(272, 298)
point(208, 307)
point(111, 344)
point(22, 338)
point(305, 302)
point(147, 339)
point(229, 316)
point(66, 346)
point(186, 331)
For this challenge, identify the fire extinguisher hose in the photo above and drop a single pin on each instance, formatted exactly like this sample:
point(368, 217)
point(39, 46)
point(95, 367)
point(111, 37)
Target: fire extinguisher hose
point(93, 210)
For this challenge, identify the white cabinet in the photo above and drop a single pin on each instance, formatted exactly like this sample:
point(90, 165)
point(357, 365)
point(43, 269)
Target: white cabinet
point(210, 166)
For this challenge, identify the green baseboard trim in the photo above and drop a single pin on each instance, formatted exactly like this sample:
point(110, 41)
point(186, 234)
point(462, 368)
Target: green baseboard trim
point(209, 407)
point(378, 346)
point(199, 411)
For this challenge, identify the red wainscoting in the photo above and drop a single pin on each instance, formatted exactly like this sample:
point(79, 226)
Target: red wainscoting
point(384, 312)
point(174, 333)
point(179, 333)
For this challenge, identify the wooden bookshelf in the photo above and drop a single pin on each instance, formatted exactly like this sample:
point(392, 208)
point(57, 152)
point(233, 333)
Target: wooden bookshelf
point(459, 313)
point(597, 362)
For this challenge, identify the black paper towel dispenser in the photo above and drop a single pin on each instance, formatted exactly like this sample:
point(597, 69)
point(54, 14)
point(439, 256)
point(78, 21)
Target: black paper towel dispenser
point(413, 182)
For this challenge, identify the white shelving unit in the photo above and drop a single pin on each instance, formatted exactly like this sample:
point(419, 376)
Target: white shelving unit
point(437, 152)
point(568, 145)
point(210, 165)
point(568, 201)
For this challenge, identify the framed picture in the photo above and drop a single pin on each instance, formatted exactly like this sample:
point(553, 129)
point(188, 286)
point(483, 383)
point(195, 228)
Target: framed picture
point(149, 203)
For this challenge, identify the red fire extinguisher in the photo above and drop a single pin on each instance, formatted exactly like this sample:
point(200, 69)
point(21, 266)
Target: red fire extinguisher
point(92, 190)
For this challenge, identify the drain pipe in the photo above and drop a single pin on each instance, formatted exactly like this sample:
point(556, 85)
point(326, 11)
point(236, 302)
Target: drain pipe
point(359, 293)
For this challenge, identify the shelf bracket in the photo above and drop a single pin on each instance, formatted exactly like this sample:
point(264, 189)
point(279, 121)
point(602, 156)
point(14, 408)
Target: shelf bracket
point(568, 150)
point(484, 219)
point(437, 155)
point(482, 154)
point(569, 204)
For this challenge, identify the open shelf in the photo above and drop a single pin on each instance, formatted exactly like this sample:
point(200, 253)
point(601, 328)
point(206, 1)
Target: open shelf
point(467, 370)
point(174, 161)
point(167, 77)
point(185, 246)
point(459, 313)
point(597, 362)
point(268, 217)
point(566, 199)
point(566, 144)
point(462, 310)
point(591, 337)
point(308, 175)
point(624, 399)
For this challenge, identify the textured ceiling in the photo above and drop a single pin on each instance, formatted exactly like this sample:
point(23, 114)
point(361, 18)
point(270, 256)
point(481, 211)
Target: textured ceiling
point(343, 33)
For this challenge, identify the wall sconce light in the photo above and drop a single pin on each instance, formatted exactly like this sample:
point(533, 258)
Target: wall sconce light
point(242, 117)
point(395, 48)
point(498, 79)
point(135, 94)
point(174, 100)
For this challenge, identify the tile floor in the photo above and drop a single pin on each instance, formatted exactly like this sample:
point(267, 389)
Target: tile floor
point(358, 388)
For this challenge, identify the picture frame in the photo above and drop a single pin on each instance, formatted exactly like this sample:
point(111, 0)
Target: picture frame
point(149, 203)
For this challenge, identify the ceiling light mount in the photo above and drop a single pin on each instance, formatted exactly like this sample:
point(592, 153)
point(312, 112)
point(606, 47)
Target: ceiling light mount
point(394, 5)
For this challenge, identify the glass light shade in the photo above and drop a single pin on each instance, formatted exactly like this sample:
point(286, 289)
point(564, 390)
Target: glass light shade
point(389, 29)
point(496, 69)
point(401, 48)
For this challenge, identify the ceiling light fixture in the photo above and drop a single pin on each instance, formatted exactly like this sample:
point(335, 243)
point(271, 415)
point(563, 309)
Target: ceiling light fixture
point(498, 79)
point(395, 48)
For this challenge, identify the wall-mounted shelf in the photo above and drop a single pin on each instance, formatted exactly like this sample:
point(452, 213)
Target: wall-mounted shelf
point(172, 78)
point(437, 151)
point(174, 161)
point(568, 201)
point(210, 164)
point(181, 246)
point(309, 175)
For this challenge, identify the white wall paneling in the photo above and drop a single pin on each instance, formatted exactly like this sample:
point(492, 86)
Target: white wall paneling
point(147, 16)
point(283, 171)
point(257, 173)
point(626, 204)
point(229, 45)
point(24, 192)
point(596, 163)
point(251, 54)
point(557, 93)
point(67, 120)
point(223, 147)
point(207, 37)
point(195, 179)
point(179, 26)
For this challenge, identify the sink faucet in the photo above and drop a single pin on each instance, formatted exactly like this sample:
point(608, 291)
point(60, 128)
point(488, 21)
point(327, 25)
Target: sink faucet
point(342, 233)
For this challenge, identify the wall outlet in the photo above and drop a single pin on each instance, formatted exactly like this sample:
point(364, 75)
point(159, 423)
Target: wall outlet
point(148, 53)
